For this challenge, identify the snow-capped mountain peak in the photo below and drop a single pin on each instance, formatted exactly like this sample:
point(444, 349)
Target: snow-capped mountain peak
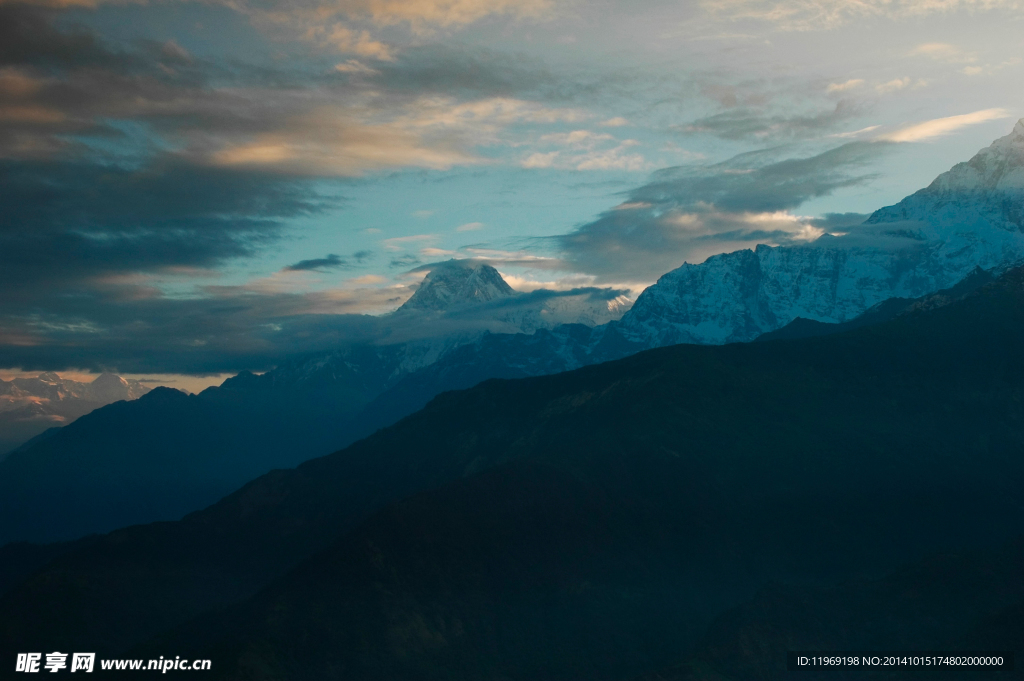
point(456, 283)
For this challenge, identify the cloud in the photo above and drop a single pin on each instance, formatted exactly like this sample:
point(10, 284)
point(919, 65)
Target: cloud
point(807, 15)
point(66, 92)
point(470, 227)
point(428, 132)
point(892, 85)
point(750, 123)
point(330, 141)
point(421, 15)
point(832, 223)
point(940, 127)
point(355, 66)
point(62, 217)
point(353, 27)
point(586, 150)
point(943, 52)
point(337, 36)
point(472, 73)
point(331, 262)
point(844, 86)
point(856, 133)
point(399, 242)
point(690, 213)
point(404, 261)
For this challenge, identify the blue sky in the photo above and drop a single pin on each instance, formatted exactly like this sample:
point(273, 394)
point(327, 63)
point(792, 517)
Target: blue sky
point(182, 175)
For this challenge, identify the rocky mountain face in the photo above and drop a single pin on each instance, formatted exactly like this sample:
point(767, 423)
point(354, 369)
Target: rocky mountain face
point(971, 216)
point(28, 406)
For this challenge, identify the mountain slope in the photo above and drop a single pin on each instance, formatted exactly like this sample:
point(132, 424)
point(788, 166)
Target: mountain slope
point(817, 459)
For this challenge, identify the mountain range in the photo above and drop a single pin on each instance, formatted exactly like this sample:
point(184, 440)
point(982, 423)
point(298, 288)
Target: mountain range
point(465, 324)
point(635, 517)
point(30, 406)
point(170, 453)
point(971, 216)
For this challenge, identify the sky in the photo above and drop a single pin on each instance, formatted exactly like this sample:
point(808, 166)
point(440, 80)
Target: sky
point(190, 189)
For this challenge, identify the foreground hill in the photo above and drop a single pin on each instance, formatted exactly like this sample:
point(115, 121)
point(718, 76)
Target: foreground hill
point(950, 601)
point(589, 524)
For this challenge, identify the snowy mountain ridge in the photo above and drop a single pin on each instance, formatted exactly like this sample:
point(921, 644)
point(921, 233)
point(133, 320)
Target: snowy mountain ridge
point(970, 216)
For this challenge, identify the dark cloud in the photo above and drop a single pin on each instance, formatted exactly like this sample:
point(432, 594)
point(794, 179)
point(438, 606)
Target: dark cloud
point(213, 334)
point(79, 241)
point(332, 261)
point(27, 36)
point(837, 222)
point(405, 262)
point(751, 123)
point(746, 183)
point(71, 220)
point(690, 213)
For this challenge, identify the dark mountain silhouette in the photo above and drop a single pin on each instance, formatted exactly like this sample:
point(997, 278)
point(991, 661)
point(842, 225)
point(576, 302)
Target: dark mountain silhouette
point(589, 524)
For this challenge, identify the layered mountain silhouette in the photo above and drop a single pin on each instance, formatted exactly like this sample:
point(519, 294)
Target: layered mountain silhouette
point(594, 523)
point(169, 453)
point(465, 316)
